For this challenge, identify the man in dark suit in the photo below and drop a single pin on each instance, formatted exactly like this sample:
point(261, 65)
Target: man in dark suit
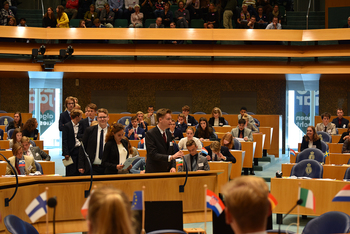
point(340, 122)
point(65, 116)
point(134, 132)
point(94, 141)
point(176, 133)
point(216, 152)
point(35, 152)
point(159, 147)
point(158, 23)
point(90, 113)
point(194, 161)
point(70, 142)
point(189, 120)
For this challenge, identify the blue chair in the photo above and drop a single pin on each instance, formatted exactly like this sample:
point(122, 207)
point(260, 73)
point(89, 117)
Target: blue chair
point(325, 147)
point(329, 222)
point(257, 121)
point(4, 120)
point(224, 113)
point(125, 120)
point(250, 113)
point(125, 112)
point(337, 131)
point(166, 231)
point(2, 111)
point(136, 160)
point(310, 153)
point(199, 113)
point(16, 225)
point(237, 144)
point(6, 127)
point(347, 173)
point(226, 122)
point(325, 136)
point(9, 133)
point(307, 168)
point(39, 167)
point(140, 145)
point(32, 143)
point(176, 112)
point(216, 135)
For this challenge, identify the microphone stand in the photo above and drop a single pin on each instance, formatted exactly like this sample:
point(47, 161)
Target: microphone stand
point(182, 187)
point(298, 203)
point(52, 202)
point(87, 192)
point(7, 200)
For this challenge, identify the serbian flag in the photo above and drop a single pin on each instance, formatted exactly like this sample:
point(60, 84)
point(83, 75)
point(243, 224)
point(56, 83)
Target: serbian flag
point(272, 201)
point(343, 195)
point(308, 198)
point(214, 203)
point(292, 153)
point(204, 151)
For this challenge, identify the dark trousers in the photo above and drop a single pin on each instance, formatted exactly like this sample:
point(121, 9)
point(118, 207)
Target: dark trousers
point(72, 170)
point(98, 170)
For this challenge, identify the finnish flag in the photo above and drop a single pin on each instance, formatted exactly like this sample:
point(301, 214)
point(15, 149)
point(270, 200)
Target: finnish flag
point(37, 208)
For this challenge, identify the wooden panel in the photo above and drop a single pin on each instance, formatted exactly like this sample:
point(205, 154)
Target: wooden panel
point(326, 34)
point(237, 167)
point(332, 3)
point(329, 171)
point(259, 138)
point(48, 167)
point(335, 147)
point(4, 144)
point(249, 148)
point(224, 177)
point(8, 153)
point(40, 144)
point(268, 131)
point(337, 159)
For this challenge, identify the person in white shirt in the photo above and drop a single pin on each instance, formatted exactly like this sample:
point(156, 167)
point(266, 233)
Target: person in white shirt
point(274, 24)
point(190, 136)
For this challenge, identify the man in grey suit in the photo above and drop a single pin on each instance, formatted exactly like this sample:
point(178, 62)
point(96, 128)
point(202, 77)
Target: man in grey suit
point(241, 132)
point(158, 23)
point(34, 152)
point(194, 161)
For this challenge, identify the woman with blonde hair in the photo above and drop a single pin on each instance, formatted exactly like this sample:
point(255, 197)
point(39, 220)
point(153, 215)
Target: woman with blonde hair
point(249, 125)
point(189, 136)
point(109, 212)
point(217, 119)
point(227, 140)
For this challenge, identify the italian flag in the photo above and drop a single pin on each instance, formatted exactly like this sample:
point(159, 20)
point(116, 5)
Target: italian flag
point(308, 198)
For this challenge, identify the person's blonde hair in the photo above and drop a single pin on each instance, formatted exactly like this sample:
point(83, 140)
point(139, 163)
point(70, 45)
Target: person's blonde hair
point(216, 110)
point(109, 212)
point(246, 199)
point(229, 138)
point(215, 146)
point(15, 148)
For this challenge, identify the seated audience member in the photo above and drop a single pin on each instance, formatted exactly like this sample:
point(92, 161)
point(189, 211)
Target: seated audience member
point(139, 167)
point(12, 22)
point(30, 129)
point(159, 8)
point(244, 17)
point(345, 135)
point(217, 119)
point(311, 139)
point(134, 132)
point(90, 16)
point(229, 9)
point(274, 24)
point(136, 18)
point(158, 23)
point(97, 24)
point(167, 15)
point(346, 147)
point(340, 122)
point(205, 132)
point(117, 8)
point(348, 24)
point(227, 140)
point(147, 8)
point(18, 159)
point(131, 149)
point(34, 152)
point(247, 204)
point(140, 121)
point(182, 16)
point(100, 5)
point(194, 161)
point(16, 137)
point(204, 7)
point(242, 132)
point(173, 25)
point(109, 211)
point(193, 6)
point(22, 22)
point(251, 6)
point(62, 18)
point(72, 8)
point(82, 24)
point(189, 120)
point(115, 151)
point(176, 133)
point(261, 18)
point(252, 24)
point(17, 121)
point(181, 123)
point(129, 8)
point(249, 125)
point(12, 5)
point(151, 117)
point(84, 6)
point(326, 126)
point(217, 152)
point(49, 19)
point(6, 14)
point(275, 13)
point(266, 6)
point(107, 16)
point(189, 136)
point(243, 111)
point(212, 17)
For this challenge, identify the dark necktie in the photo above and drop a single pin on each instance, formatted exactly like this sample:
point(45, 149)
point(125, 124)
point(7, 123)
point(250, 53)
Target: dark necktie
point(101, 145)
point(194, 164)
point(216, 157)
point(325, 128)
point(240, 134)
point(135, 134)
point(164, 137)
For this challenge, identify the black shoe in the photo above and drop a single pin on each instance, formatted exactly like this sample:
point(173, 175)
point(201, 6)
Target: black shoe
point(252, 172)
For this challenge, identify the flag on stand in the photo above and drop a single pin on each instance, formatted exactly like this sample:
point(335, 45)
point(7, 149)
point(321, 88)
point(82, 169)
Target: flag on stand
point(204, 151)
point(326, 154)
point(214, 203)
point(37, 208)
point(308, 198)
point(292, 153)
point(343, 195)
point(272, 201)
point(137, 203)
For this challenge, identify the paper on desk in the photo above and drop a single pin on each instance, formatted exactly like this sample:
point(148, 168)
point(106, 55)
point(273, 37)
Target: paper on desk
point(129, 161)
point(67, 162)
point(240, 139)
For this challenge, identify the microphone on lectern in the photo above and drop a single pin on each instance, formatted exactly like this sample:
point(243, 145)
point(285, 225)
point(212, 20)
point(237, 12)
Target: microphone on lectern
point(52, 202)
point(299, 202)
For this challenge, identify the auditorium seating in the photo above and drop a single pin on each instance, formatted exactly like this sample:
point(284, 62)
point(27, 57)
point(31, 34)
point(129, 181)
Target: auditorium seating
point(310, 153)
point(307, 168)
point(325, 136)
point(327, 223)
point(325, 147)
point(16, 225)
point(237, 144)
point(347, 173)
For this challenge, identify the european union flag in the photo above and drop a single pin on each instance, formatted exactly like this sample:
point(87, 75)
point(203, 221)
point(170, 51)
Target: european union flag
point(137, 201)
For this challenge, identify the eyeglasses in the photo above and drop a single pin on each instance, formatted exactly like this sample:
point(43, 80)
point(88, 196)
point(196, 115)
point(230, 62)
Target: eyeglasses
point(102, 117)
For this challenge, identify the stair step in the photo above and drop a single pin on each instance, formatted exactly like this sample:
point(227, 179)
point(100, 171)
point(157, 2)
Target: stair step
point(29, 11)
point(268, 158)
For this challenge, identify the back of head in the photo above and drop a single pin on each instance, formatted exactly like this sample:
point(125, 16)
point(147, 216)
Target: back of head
point(215, 146)
point(109, 212)
point(247, 202)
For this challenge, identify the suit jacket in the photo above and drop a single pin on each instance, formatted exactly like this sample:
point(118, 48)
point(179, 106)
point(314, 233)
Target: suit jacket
point(247, 133)
point(39, 154)
point(64, 118)
point(331, 129)
point(178, 135)
point(221, 121)
point(341, 140)
point(90, 144)
point(34, 134)
point(344, 123)
point(140, 131)
point(154, 25)
point(202, 164)
point(251, 119)
point(110, 158)
point(83, 125)
point(68, 139)
point(192, 121)
point(305, 144)
point(158, 152)
point(225, 151)
point(29, 161)
point(182, 126)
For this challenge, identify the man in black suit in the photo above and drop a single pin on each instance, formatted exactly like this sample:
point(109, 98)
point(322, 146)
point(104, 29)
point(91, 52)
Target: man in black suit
point(176, 133)
point(158, 23)
point(70, 142)
point(340, 122)
point(159, 147)
point(90, 113)
point(94, 141)
point(189, 120)
point(65, 116)
point(216, 152)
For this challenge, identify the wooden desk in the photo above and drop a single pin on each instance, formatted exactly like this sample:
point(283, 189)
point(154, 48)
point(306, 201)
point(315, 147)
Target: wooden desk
point(5, 144)
point(48, 167)
point(337, 159)
point(319, 120)
point(336, 138)
point(8, 153)
point(286, 193)
point(224, 177)
point(70, 194)
point(249, 148)
point(259, 138)
point(329, 171)
point(335, 147)
point(224, 129)
point(342, 130)
point(268, 131)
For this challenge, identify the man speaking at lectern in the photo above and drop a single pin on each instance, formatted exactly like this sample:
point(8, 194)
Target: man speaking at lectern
point(160, 149)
